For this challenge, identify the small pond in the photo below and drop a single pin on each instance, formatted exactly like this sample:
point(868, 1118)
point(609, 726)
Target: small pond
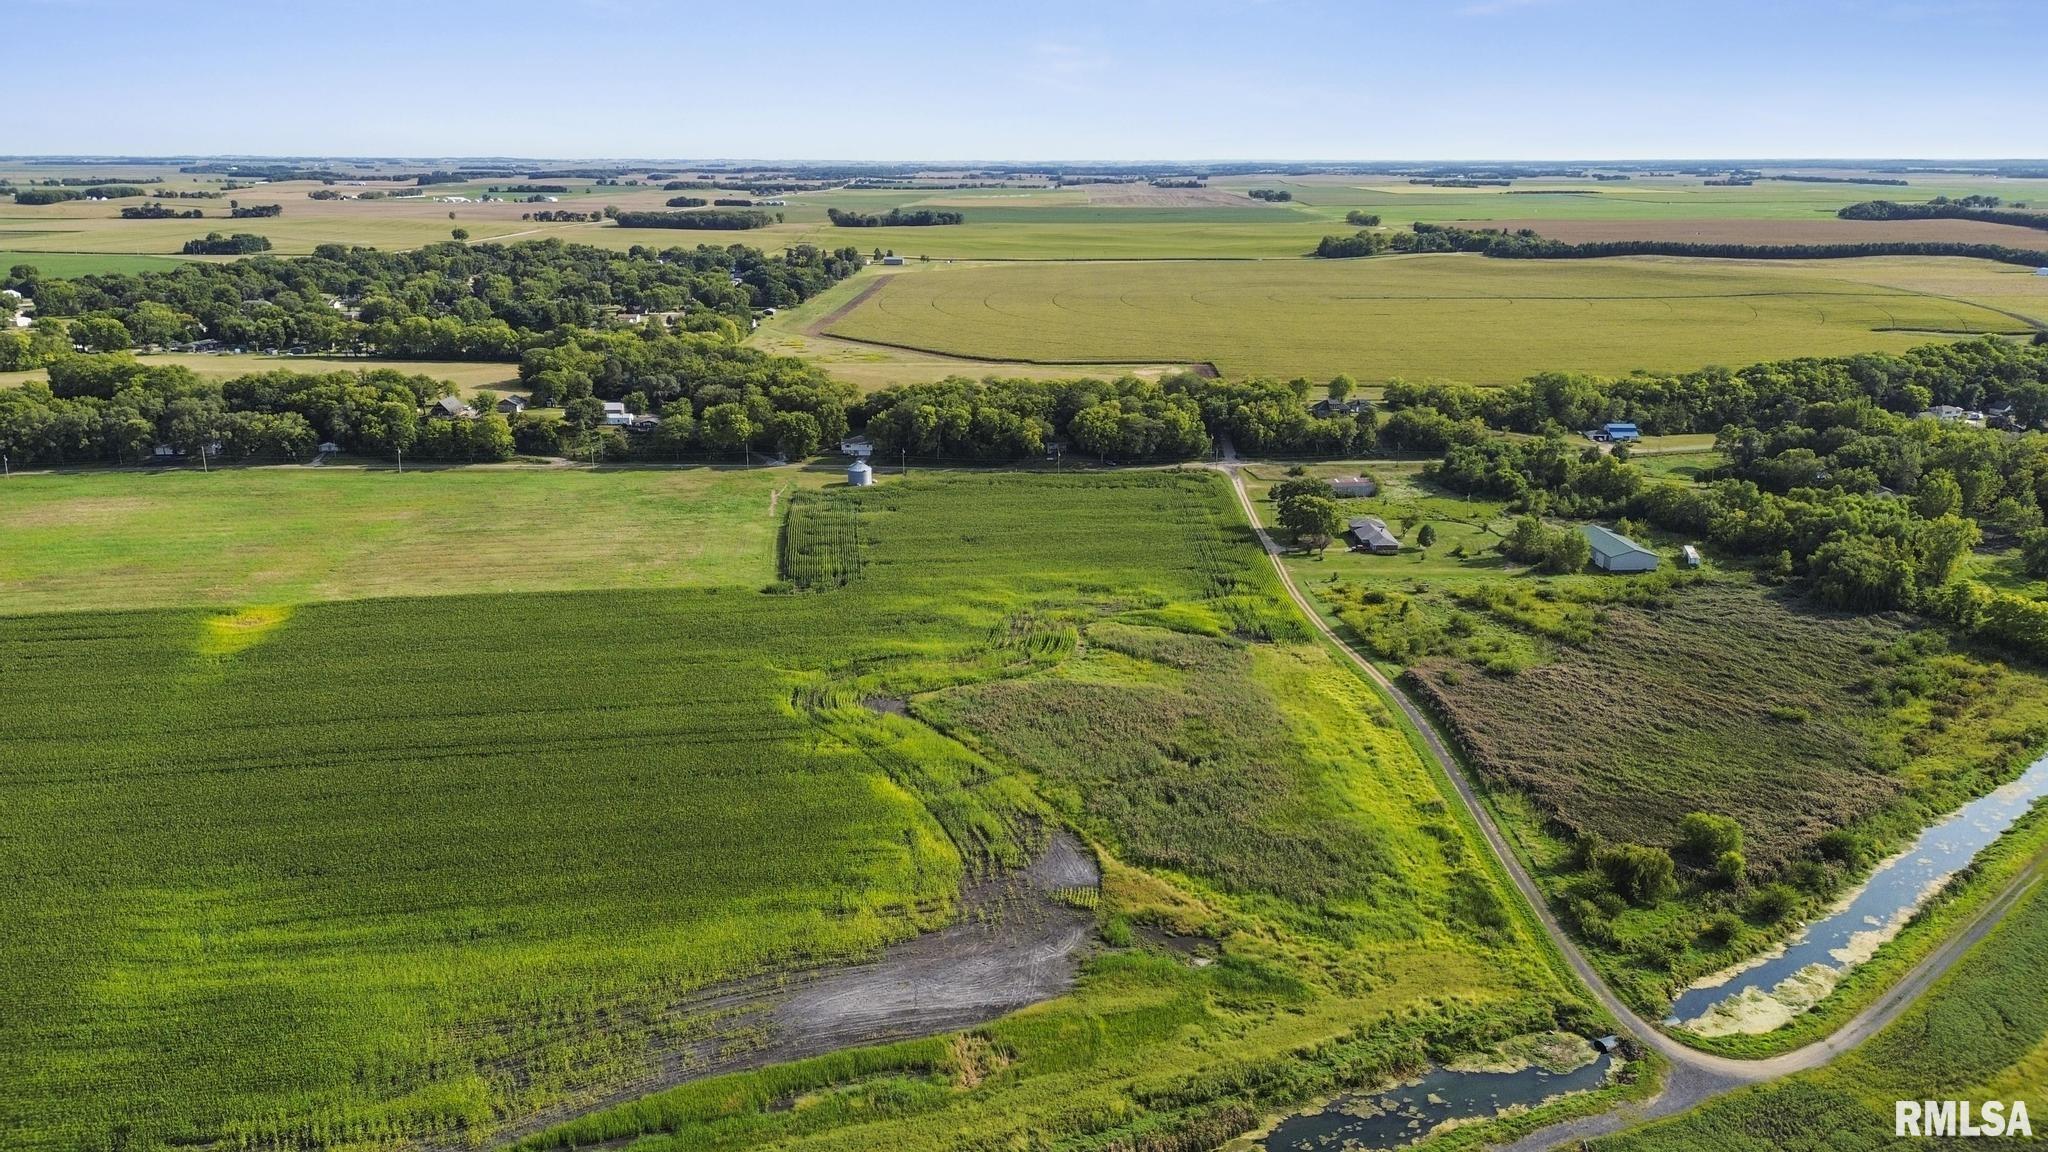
point(1405, 1113)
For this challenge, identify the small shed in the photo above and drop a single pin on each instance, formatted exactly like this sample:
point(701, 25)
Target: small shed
point(1371, 534)
point(1618, 431)
point(1692, 556)
point(1613, 552)
point(1352, 487)
point(859, 475)
point(891, 261)
point(2041, 271)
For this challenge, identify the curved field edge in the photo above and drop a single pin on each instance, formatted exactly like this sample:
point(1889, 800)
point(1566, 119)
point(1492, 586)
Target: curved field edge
point(1981, 1033)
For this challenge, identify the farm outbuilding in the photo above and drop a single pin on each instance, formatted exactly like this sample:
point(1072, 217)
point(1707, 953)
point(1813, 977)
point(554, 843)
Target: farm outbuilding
point(1349, 487)
point(1613, 552)
point(1372, 534)
point(1692, 556)
point(1620, 431)
point(859, 475)
point(891, 261)
point(512, 405)
point(452, 408)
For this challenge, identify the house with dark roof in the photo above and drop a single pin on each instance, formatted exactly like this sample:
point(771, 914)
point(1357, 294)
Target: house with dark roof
point(1371, 534)
point(512, 405)
point(1613, 552)
point(450, 408)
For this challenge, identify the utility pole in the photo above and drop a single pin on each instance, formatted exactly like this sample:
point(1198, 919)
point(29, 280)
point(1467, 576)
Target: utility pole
point(401, 461)
point(905, 466)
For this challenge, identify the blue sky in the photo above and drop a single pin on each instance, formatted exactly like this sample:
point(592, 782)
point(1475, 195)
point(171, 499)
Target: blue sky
point(1105, 80)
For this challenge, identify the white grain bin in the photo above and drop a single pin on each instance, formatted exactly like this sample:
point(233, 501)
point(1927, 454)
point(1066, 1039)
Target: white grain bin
point(859, 474)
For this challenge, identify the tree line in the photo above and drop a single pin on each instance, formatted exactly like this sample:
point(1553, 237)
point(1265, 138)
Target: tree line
point(215, 244)
point(893, 218)
point(1984, 208)
point(1525, 244)
point(714, 220)
point(444, 301)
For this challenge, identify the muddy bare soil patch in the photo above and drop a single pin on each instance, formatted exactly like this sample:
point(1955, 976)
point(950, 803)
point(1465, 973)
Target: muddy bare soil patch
point(1019, 940)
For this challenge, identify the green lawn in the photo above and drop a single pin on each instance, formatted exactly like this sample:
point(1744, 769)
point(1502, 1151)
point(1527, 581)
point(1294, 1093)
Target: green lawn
point(1458, 317)
point(90, 540)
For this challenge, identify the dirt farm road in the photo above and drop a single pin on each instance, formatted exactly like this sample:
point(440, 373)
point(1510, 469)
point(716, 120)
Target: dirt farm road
point(1695, 1076)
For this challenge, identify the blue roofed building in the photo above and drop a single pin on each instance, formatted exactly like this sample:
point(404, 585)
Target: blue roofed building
point(1620, 431)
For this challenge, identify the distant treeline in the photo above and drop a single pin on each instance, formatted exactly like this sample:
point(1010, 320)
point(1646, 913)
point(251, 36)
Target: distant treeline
point(1838, 180)
point(215, 244)
point(561, 216)
point(255, 211)
point(98, 181)
point(686, 202)
point(713, 220)
point(1190, 182)
point(532, 188)
point(1984, 208)
point(158, 212)
point(1460, 182)
point(441, 302)
point(167, 194)
point(1527, 245)
point(1271, 195)
point(48, 195)
point(893, 218)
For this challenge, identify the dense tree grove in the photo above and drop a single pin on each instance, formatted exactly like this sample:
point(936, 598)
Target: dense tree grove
point(215, 244)
point(444, 302)
point(686, 201)
point(158, 212)
point(48, 195)
point(255, 211)
point(893, 218)
point(1525, 244)
point(1174, 418)
point(1984, 208)
point(715, 220)
point(1271, 195)
point(1831, 476)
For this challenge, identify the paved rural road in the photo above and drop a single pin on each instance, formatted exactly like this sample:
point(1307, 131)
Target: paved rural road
point(1695, 1076)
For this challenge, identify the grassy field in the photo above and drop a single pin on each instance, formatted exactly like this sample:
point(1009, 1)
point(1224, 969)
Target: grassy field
point(799, 331)
point(94, 541)
point(475, 849)
point(83, 264)
point(1461, 317)
point(1981, 1033)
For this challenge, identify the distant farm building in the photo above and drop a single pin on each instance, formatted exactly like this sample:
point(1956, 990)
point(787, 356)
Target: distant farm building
point(1613, 552)
point(2041, 271)
point(615, 414)
point(857, 446)
point(1351, 487)
point(512, 405)
point(859, 474)
point(1946, 413)
point(1621, 430)
point(452, 408)
point(1371, 534)
point(1692, 556)
point(1323, 409)
point(892, 261)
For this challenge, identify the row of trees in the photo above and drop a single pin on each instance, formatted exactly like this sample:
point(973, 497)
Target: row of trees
point(1984, 208)
point(158, 212)
point(893, 218)
point(445, 301)
point(1525, 244)
point(714, 220)
point(215, 244)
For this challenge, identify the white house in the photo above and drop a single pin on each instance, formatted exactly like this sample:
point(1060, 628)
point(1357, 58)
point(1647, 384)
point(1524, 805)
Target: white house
point(23, 320)
point(615, 414)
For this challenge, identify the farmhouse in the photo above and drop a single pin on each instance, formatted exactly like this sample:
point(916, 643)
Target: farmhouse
point(1946, 413)
point(1351, 487)
point(1613, 552)
point(615, 414)
point(856, 446)
point(512, 405)
point(451, 408)
point(1324, 409)
point(1371, 534)
point(23, 319)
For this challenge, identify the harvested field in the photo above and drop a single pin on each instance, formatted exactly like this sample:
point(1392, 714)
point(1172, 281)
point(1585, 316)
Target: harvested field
point(1821, 230)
